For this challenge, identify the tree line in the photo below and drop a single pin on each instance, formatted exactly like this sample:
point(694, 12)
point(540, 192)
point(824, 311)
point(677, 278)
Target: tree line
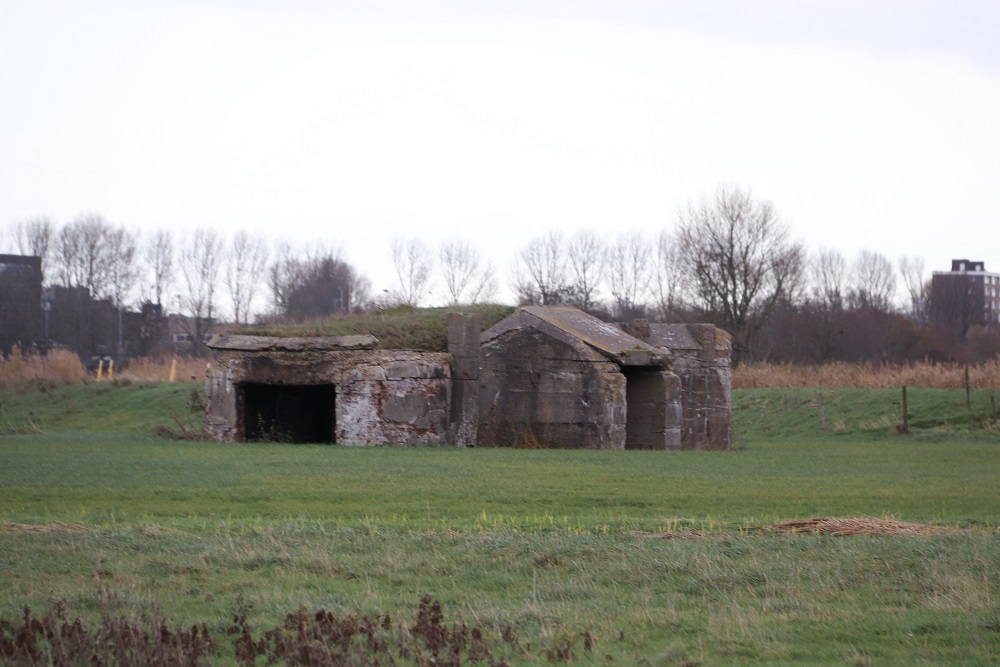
point(728, 259)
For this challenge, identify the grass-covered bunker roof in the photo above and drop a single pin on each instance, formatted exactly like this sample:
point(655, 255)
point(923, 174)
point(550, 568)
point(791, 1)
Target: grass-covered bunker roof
point(400, 328)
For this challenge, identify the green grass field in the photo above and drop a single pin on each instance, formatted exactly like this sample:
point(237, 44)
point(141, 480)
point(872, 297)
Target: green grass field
point(659, 558)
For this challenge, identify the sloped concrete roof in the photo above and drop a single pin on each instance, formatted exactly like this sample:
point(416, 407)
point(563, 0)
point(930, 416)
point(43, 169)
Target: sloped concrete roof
point(673, 336)
point(571, 323)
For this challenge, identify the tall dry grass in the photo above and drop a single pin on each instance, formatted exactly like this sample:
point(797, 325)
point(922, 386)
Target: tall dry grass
point(64, 367)
point(20, 368)
point(158, 369)
point(838, 375)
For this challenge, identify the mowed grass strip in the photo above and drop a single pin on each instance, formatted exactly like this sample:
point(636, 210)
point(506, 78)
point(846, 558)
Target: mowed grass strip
point(99, 480)
point(653, 553)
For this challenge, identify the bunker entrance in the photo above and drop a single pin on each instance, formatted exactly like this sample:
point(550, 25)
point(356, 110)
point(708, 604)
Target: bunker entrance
point(289, 413)
point(645, 408)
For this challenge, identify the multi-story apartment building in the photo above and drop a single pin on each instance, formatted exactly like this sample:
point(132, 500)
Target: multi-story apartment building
point(20, 301)
point(966, 296)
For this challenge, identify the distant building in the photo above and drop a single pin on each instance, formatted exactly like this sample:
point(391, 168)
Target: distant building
point(964, 297)
point(20, 301)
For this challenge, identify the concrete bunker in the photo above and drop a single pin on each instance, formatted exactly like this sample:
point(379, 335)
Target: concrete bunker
point(544, 376)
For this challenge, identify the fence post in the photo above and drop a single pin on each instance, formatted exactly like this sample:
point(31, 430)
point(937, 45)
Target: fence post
point(906, 416)
point(822, 412)
point(968, 397)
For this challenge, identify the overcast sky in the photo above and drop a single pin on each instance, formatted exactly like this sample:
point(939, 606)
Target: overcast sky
point(869, 124)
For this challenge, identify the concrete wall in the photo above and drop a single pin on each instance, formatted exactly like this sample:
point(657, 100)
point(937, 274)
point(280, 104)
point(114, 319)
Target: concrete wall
point(654, 408)
point(539, 391)
point(380, 396)
point(700, 357)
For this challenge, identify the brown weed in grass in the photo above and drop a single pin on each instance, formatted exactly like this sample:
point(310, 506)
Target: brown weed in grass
point(839, 375)
point(320, 638)
point(56, 527)
point(55, 639)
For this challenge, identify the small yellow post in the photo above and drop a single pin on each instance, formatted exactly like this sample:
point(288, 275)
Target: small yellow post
point(100, 369)
point(111, 369)
point(173, 370)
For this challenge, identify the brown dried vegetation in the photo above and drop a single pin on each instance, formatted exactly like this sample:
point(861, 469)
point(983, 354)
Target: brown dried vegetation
point(18, 368)
point(319, 638)
point(856, 526)
point(839, 375)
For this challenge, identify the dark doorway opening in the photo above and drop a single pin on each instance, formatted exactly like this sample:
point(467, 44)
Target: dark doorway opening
point(289, 413)
point(645, 408)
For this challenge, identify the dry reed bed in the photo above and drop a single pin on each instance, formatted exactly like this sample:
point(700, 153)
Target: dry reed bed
point(59, 366)
point(866, 376)
point(64, 367)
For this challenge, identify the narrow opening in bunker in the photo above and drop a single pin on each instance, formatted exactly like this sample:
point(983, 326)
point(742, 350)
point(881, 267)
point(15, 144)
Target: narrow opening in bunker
point(645, 419)
point(289, 413)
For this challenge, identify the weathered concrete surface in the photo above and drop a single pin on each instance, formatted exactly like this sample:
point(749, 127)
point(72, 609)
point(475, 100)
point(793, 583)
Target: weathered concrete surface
point(378, 396)
point(398, 401)
point(700, 355)
point(574, 326)
point(654, 407)
point(540, 390)
point(220, 406)
point(273, 343)
point(463, 346)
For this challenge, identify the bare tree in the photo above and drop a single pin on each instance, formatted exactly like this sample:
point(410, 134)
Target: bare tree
point(670, 279)
point(320, 285)
point(828, 273)
point(413, 262)
point(82, 254)
point(35, 237)
point(159, 265)
point(122, 272)
point(741, 261)
point(628, 267)
point(874, 282)
point(539, 271)
point(199, 265)
point(466, 278)
point(917, 287)
point(245, 262)
point(281, 274)
point(586, 267)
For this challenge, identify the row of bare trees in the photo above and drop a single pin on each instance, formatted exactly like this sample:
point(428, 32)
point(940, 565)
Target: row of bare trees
point(185, 275)
point(729, 259)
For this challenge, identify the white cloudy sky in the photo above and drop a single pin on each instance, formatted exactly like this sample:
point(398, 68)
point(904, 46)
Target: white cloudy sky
point(871, 124)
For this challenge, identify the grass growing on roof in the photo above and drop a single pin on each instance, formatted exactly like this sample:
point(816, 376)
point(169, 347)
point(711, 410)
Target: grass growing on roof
point(402, 327)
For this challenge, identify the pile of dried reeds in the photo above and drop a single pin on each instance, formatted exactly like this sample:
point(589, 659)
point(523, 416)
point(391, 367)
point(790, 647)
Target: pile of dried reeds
point(856, 526)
